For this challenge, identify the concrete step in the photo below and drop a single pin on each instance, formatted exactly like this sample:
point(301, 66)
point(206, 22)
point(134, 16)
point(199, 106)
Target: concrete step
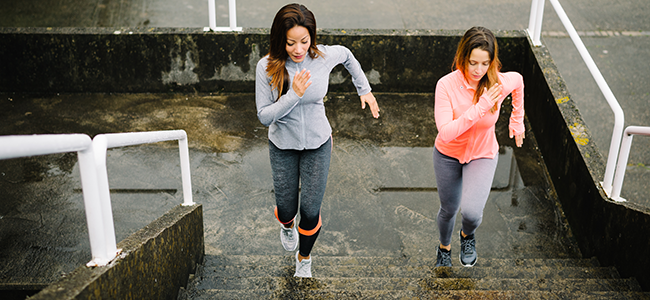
point(419, 284)
point(288, 260)
point(354, 267)
point(406, 294)
point(345, 277)
point(416, 272)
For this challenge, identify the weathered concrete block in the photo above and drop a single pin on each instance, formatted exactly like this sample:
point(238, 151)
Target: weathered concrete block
point(155, 262)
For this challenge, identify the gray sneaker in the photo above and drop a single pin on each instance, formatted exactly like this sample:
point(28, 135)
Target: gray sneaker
point(468, 255)
point(289, 237)
point(443, 258)
point(303, 268)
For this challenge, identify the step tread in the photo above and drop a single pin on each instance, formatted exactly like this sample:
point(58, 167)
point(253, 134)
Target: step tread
point(351, 277)
point(412, 272)
point(288, 260)
point(385, 294)
point(382, 283)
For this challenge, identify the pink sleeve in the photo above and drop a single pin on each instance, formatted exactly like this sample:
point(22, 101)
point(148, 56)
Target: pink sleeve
point(515, 82)
point(448, 127)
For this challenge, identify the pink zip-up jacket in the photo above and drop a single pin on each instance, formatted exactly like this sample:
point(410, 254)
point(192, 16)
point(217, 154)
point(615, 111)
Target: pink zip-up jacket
point(466, 130)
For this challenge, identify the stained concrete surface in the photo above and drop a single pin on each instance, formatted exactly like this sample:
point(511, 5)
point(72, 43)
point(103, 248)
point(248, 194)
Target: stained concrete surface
point(380, 199)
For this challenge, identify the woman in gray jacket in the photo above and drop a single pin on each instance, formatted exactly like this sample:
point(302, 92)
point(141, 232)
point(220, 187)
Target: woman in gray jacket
point(290, 84)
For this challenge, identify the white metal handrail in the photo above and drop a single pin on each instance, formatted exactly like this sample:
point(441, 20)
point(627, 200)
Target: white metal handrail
point(94, 175)
point(102, 142)
point(623, 156)
point(535, 25)
point(15, 146)
point(535, 21)
point(232, 16)
point(113, 140)
point(31, 145)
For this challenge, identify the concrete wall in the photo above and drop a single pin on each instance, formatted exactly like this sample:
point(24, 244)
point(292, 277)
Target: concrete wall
point(188, 60)
point(616, 233)
point(155, 262)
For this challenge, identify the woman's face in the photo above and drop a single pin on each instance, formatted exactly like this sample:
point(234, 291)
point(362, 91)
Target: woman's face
point(479, 62)
point(298, 43)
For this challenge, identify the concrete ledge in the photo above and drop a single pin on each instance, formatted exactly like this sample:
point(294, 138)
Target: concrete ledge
point(188, 60)
point(614, 232)
point(155, 262)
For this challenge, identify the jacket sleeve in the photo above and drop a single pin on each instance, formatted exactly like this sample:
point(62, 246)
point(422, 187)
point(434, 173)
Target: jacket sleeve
point(270, 111)
point(448, 127)
point(342, 55)
point(516, 82)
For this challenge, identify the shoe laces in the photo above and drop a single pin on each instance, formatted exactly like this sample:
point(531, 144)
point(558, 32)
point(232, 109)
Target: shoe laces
point(467, 245)
point(445, 257)
point(288, 232)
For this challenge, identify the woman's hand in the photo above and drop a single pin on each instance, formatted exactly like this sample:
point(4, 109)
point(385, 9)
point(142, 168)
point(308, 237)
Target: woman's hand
point(301, 82)
point(372, 103)
point(493, 94)
point(519, 139)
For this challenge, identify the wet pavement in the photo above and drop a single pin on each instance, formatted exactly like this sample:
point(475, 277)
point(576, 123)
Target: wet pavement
point(381, 197)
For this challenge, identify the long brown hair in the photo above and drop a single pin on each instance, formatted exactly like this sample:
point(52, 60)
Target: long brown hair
point(481, 38)
point(289, 16)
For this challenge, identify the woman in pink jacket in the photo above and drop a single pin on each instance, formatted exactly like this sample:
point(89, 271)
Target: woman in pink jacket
point(467, 104)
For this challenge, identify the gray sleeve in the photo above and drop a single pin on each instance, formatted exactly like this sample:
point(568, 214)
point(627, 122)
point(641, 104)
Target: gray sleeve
point(270, 111)
point(343, 55)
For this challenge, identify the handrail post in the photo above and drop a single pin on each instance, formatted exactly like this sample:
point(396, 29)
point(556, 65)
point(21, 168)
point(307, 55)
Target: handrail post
point(212, 12)
point(92, 205)
point(232, 16)
point(623, 157)
point(535, 22)
point(99, 146)
point(185, 171)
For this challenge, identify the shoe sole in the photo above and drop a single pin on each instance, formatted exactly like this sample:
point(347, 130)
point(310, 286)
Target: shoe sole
point(467, 265)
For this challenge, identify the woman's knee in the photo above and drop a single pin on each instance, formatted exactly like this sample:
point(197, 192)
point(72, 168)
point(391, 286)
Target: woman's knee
point(472, 217)
point(309, 226)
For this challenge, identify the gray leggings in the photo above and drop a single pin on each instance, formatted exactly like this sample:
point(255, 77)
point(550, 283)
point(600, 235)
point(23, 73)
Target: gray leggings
point(303, 171)
point(462, 186)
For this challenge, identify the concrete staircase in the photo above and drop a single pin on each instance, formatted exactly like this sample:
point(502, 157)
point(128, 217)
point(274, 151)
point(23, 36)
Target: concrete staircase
point(380, 235)
point(341, 277)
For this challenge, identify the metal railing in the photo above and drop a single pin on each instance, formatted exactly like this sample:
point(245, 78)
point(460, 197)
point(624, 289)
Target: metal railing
point(232, 16)
point(534, 31)
point(32, 145)
point(100, 145)
point(623, 156)
point(94, 176)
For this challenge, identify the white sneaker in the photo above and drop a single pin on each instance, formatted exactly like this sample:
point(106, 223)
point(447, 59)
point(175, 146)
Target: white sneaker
point(289, 238)
point(303, 268)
